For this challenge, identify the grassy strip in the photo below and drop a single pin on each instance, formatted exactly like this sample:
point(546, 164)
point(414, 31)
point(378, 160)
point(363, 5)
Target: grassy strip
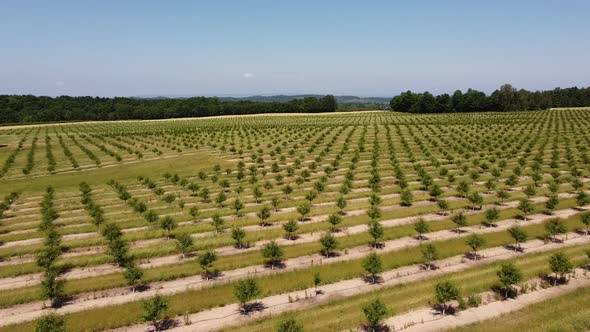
point(100, 176)
point(563, 313)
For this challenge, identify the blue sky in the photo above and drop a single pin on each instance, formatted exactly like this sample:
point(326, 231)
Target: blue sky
point(368, 48)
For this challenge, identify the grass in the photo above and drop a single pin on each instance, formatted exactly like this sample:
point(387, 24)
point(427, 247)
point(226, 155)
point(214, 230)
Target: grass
point(564, 313)
point(181, 163)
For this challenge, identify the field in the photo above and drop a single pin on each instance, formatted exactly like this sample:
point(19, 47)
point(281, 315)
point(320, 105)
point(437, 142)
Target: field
point(312, 217)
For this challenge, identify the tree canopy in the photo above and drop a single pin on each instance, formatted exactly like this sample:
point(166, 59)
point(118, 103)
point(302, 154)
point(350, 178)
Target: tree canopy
point(29, 108)
point(506, 98)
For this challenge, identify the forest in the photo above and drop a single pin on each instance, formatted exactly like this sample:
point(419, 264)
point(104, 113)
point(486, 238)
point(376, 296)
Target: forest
point(31, 109)
point(505, 99)
point(35, 109)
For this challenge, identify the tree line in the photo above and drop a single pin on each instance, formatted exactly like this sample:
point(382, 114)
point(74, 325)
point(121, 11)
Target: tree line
point(505, 99)
point(28, 108)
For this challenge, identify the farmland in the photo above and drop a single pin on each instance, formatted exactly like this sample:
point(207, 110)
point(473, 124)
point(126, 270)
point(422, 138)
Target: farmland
point(261, 222)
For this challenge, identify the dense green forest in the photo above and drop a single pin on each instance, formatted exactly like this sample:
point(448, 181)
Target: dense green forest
point(505, 99)
point(27, 109)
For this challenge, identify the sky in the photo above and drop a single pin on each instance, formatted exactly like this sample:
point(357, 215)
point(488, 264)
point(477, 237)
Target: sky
point(249, 47)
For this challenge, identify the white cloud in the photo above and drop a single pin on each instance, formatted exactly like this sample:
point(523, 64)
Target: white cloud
point(60, 83)
point(248, 75)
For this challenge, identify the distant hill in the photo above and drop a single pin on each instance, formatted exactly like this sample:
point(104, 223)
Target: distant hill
point(286, 98)
point(339, 99)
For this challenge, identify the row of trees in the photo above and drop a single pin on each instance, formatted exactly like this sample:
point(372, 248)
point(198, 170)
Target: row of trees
point(7, 202)
point(28, 108)
point(51, 286)
point(506, 98)
point(117, 246)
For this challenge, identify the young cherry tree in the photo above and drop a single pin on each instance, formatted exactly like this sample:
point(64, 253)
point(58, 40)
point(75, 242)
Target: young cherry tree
point(503, 195)
point(460, 220)
point(246, 290)
point(304, 209)
point(376, 231)
point(238, 206)
point(526, 208)
point(341, 204)
point(430, 254)
point(273, 254)
point(238, 234)
point(334, 220)
point(206, 261)
point(290, 228)
point(264, 215)
point(373, 266)
point(52, 288)
point(422, 227)
point(561, 266)
point(168, 224)
point(217, 223)
point(446, 291)
point(551, 204)
point(555, 227)
point(443, 205)
point(475, 242)
point(275, 203)
point(509, 275)
point(133, 275)
point(287, 190)
point(519, 236)
point(491, 216)
point(375, 311)
point(184, 243)
point(406, 197)
point(154, 310)
point(329, 244)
